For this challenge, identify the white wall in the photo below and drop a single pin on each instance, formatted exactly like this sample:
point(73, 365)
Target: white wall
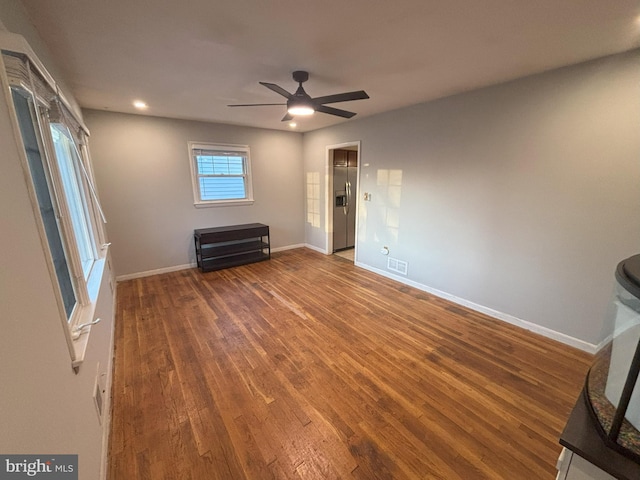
point(45, 407)
point(143, 173)
point(520, 197)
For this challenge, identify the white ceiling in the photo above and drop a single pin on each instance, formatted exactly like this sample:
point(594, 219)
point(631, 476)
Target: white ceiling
point(189, 59)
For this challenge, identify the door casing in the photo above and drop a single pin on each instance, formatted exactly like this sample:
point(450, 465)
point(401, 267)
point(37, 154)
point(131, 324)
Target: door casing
point(329, 193)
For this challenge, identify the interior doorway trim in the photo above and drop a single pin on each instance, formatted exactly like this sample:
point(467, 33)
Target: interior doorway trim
point(329, 194)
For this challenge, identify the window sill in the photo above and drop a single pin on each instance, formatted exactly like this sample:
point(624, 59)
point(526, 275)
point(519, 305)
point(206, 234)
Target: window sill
point(223, 203)
point(86, 314)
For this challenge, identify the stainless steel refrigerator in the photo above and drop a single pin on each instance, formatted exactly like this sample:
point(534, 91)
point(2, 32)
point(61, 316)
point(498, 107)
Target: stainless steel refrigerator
point(345, 182)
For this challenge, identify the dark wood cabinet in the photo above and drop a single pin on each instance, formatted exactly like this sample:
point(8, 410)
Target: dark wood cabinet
point(223, 247)
point(345, 158)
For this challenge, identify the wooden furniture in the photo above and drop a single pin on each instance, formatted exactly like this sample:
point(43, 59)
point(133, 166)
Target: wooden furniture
point(223, 247)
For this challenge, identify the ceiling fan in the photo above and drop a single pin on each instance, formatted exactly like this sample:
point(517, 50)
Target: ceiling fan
point(300, 103)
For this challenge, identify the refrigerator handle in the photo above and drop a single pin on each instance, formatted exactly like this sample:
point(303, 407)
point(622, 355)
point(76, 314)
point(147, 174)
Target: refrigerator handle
point(345, 205)
point(347, 187)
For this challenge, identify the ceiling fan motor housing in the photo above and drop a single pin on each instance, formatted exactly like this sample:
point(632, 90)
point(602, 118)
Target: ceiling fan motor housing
point(300, 100)
point(300, 76)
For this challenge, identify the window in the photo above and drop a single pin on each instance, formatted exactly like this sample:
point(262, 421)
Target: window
point(73, 185)
point(42, 183)
point(221, 174)
point(56, 159)
point(61, 190)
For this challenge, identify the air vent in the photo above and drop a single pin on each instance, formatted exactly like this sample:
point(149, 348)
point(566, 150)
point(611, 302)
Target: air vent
point(398, 266)
point(97, 398)
point(99, 391)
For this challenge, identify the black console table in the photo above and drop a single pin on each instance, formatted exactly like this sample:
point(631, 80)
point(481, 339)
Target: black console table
point(223, 247)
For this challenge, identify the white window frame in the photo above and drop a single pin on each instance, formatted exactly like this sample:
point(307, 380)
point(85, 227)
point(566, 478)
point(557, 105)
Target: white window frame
point(195, 176)
point(77, 325)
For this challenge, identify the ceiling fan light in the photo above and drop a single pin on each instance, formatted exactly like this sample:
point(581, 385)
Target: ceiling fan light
point(300, 110)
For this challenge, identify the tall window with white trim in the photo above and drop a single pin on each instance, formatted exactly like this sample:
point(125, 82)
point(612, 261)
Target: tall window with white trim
point(62, 190)
point(221, 174)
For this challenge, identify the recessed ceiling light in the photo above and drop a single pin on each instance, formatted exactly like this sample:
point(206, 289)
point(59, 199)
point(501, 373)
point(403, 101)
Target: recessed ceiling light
point(140, 105)
point(293, 124)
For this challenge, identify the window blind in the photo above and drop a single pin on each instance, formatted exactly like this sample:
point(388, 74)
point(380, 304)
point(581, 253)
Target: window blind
point(22, 75)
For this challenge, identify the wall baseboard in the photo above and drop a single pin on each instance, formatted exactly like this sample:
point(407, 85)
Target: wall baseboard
point(317, 249)
point(175, 268)
point(505, 317)
point(148, 273)
point(288, 247)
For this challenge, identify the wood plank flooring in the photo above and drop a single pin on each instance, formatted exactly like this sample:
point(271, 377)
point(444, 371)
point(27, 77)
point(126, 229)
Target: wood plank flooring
point(307, 367)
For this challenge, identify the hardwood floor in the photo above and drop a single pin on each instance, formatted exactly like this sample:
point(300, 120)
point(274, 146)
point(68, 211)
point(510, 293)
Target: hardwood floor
point(307, 367)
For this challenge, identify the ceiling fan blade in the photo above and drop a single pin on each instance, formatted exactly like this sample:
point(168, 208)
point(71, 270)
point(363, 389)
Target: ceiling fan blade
point(255, 104)
point(277, 89)
point(342, 97)
point(287, 117)
point(334, 111)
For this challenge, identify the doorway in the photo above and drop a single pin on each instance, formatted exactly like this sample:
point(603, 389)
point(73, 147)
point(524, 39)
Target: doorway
point(343, 168)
